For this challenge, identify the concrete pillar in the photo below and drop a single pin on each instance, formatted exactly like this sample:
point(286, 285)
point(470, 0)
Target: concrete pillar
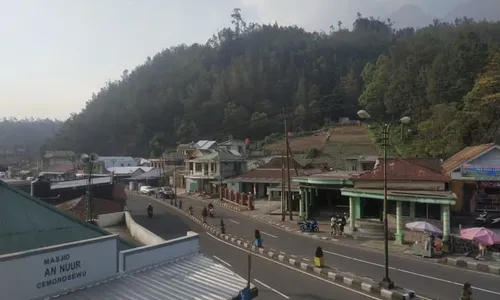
point(352, 215)
point(399, 222)
point(301, 203)
point(445, 217)
point(307, 199)
point(412, 210)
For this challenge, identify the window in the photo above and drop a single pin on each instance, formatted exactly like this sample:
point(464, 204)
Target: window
point(352, 165)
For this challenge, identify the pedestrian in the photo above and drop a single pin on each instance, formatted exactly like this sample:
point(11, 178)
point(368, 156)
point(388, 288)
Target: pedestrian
point(204, 214)
point(332, 225)
point(466, 292)
point(343, 222)
point(338, 222)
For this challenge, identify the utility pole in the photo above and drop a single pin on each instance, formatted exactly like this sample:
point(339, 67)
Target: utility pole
point(289, 180)
point(282, 188)
point(175, 180)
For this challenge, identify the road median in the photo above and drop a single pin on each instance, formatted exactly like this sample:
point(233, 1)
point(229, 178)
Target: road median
point(332, 274)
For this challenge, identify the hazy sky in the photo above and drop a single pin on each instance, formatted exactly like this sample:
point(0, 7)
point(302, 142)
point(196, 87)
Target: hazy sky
point(55, 53)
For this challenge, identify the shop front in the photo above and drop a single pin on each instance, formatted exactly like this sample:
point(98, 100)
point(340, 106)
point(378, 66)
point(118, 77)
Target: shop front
point(405, 205)
point(475, 179)
point(416, 190)
point(320, 194)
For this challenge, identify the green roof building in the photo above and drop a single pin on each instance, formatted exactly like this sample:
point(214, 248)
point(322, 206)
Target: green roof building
point(28, 223)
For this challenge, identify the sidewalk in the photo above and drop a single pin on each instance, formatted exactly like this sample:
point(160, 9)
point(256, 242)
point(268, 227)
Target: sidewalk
point(260, 214)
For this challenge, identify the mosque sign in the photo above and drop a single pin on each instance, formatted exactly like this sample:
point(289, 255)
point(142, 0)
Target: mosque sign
point(56, 269)
point(481, 172)
point(60, 269)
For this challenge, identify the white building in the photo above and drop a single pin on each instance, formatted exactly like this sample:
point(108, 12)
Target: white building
point(118, 161)
point(96, 269)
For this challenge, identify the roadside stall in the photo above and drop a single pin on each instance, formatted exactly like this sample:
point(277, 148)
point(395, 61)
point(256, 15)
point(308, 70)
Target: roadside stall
point(425, 248)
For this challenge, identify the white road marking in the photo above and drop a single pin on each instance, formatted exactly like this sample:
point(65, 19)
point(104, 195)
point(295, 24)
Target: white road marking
point(199, 206)
point(411, 273)
point(222, 261)
point(235, 222)
point(294, 269)
point(270, 288)
point(268, 234)
point(306, 259)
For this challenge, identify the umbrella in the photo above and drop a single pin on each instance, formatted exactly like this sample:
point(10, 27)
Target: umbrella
point(480, 235)
point(424, 227)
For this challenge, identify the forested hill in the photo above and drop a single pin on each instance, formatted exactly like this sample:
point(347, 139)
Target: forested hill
point(446, 77)
point(27, 134)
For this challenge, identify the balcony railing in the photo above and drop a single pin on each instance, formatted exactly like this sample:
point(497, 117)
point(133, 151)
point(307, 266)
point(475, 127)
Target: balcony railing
point(202, 173)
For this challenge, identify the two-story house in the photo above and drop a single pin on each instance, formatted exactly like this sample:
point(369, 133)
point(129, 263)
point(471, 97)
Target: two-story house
point(207, 168)
point(233, 146)
point(56, 157)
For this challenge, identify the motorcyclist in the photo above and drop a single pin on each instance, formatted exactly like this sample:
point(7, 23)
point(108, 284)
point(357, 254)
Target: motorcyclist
point(211, 209)
point(150, 209)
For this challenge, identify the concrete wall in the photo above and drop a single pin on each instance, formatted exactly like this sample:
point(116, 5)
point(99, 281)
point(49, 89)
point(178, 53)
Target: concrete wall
point(102, 191)
point(234, 187)
point(488, 159)
point(227, 169)
point(140, 233)
point(112, 219)
point(143, 257)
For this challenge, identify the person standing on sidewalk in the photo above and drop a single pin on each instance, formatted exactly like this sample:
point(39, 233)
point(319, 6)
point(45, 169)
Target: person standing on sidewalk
point(333, 221)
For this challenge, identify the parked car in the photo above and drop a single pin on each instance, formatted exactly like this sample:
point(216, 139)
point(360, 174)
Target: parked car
point(147, 190)
point(166, 192)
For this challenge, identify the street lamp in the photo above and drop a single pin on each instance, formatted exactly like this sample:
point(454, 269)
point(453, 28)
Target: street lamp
point(89, 161)
point(363, 114)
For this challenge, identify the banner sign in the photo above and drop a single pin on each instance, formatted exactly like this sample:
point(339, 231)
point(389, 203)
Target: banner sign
point(491, 172)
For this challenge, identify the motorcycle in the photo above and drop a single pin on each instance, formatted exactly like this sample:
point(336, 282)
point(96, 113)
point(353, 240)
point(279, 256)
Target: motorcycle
point(494, 222)
point(211, 213)
point(309, 226)
point(482, 219)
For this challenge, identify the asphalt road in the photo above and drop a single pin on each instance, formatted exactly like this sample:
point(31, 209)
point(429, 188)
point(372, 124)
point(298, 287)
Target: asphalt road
point(428, 279)
point(275, 281)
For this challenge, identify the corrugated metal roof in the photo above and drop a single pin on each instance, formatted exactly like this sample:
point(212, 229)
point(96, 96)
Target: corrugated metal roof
point(463, 156)
point(193, 277)
point(79, 182)
point(401, 169)
point(128, 170)
point(27, 223)
point(221, 155)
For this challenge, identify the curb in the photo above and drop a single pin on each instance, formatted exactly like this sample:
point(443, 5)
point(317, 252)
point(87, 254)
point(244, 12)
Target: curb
point(338, 278)
point(472, 265)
